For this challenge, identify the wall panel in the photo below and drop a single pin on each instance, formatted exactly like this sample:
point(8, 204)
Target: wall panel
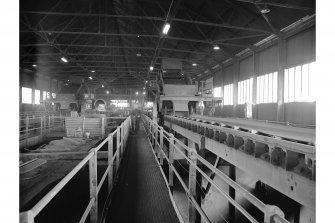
point(246, 68)
point(301, 48)
point(268, 60)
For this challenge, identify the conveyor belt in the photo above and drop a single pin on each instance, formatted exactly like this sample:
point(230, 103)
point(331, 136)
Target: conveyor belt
point(141, 194)
point(289, 132)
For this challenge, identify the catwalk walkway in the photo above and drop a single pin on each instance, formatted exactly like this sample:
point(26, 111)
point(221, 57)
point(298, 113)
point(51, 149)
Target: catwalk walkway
point(141, 194)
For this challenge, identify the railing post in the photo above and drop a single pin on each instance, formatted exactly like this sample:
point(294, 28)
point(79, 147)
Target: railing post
point(171, 159)
point(110, 163)
point(153, 135)
point(117, 149)
point(41, 126)
point(27, 217)
point(49, 123)
point(27, 129)
point(93, 187)
point(161, 145)
point(192, 212)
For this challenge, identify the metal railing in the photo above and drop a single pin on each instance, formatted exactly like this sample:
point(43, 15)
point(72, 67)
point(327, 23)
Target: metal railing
point(157, 135)
point(39, 125)
point(290, 151)
point(122, 133)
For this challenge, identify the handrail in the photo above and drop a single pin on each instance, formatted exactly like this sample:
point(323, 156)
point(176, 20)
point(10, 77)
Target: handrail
point(271, 213)
point(122, 133)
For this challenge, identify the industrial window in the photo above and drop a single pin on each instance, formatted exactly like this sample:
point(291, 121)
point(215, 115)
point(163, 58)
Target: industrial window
point(217, 92)
point(267, 88)
point(44, 95)
point(27, 95)
point(53, 95)
point(120, 103)
point(299, 82)
point(48, 95)
point(37, 97)
point(228, 94)
point(244, 91)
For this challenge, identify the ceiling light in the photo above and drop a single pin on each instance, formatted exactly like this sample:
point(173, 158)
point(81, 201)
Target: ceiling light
point(194, 64)
point(144, 88)
point(34, 65)
point(166, 28)
point(216, 47)
point(49, 34)
point(136, 92)
point(151, 68)
point(265, 9)
point(102, 86)
point(64, 59)
point(138, 54)
point(182, 74)
point(146, 81)
point(138, 36)
point(93, 71)
point(164, 71)
point(68, 80)
point(107, 92)
point(143, 92)
point(90, 78)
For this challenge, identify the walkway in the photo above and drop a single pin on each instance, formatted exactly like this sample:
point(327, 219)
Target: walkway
point(141, 194)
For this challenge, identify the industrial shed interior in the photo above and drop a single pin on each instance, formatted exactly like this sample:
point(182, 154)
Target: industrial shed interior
point(167, 111)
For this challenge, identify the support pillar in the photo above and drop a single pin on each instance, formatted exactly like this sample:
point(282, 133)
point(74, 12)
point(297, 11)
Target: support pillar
point(232, 175)
point(154, 112)
point(236, 68)
point(254, 85)
point(282, 61)
point(195, 181)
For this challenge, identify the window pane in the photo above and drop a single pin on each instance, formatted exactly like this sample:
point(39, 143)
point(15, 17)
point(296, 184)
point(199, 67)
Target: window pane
point(37, 97)
point(312, 79)
point(266, 88)
point(26, 95)
point(270, 87)
point(44, 95)
point(258, 90)
point(262, 90)
point(286, 86)
point(297, 90)
point(275, 84)
point(291, 84)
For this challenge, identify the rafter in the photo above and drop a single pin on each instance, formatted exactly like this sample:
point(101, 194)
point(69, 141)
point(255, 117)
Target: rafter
point(146, 18)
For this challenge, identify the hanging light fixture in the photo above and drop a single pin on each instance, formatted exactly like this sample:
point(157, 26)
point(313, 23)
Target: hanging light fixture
point(64, 59)
point(194, 64)
point(151, 68)
point(265, 9)
point(138, 54)
point(90, 78)
point(166, 28)
point(216, 47)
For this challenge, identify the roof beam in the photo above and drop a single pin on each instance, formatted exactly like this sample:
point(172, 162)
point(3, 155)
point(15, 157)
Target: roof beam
point(132, 35)
point(146, 18)
point(282, 5)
